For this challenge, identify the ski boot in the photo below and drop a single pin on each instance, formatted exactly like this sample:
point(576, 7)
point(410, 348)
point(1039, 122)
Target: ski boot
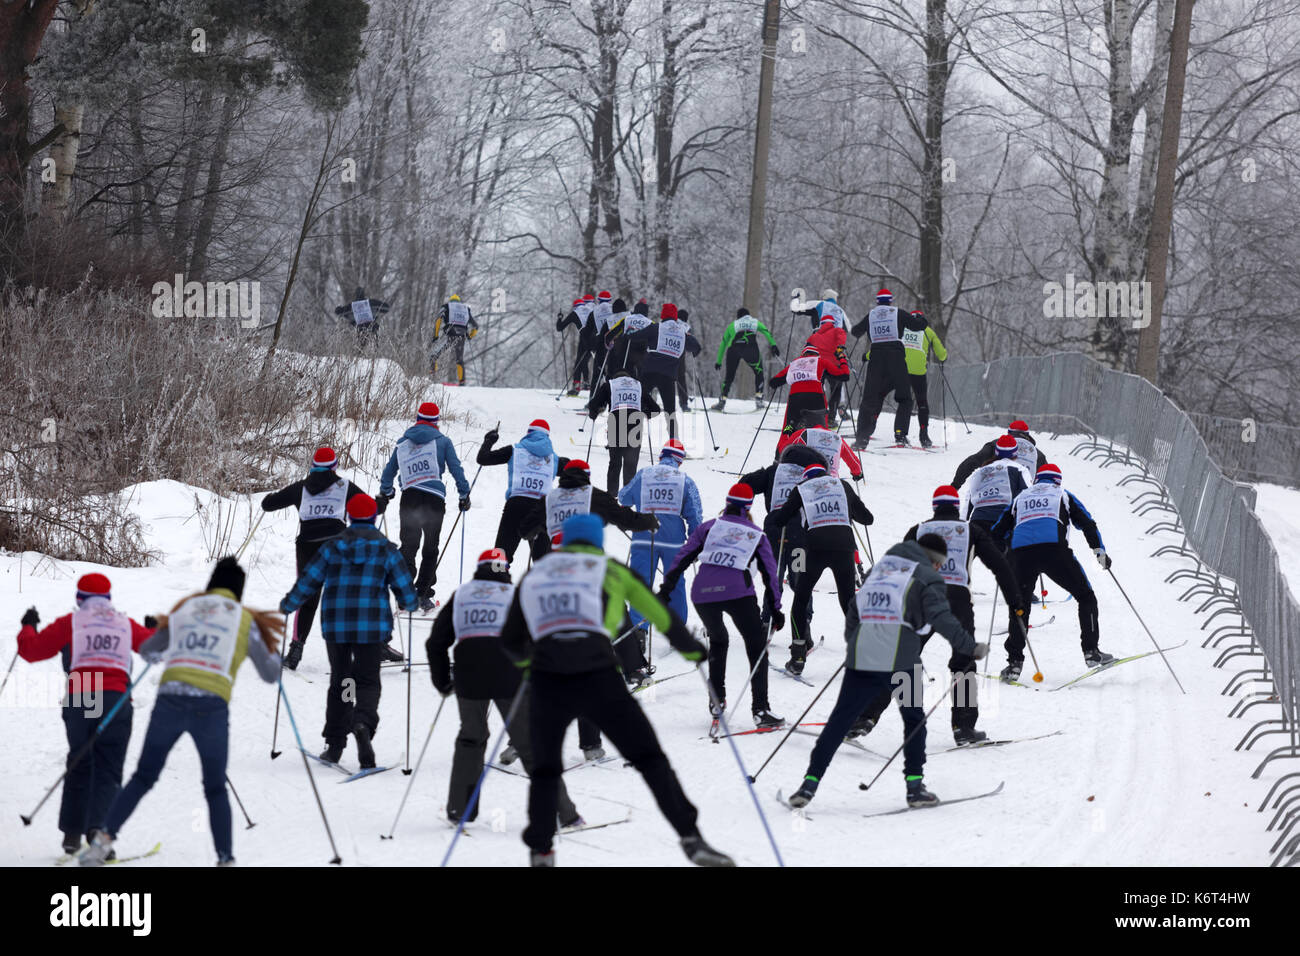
point(900, 438)
point(764, 719)
point(1098, 658)
point(71, 843)
point(391, 654)
point(365, 752)
point(593, 753)
point(719, 405)
point(508, 756)
point(803, 796)
point(925, 438)
point(333, 751)
point(1012, 671)
point(965, 737)
point(98, 851)
point(639, 678)
point(294, 657)
point(759, 403)
point(701, 854)
point(541, 858)
point(860, 444)
point(571, 824)
point(795, 666)
point(917, 795)
point(861, 727)
point(427, 603)
point(574, 388)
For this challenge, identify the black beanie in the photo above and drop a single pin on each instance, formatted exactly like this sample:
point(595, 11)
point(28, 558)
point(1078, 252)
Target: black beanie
point(620, 305)
point(641, 308)
point(228, 575)
point(742, 312)
point(935, 546)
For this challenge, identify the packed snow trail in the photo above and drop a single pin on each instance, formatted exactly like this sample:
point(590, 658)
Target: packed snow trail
point(1139, 774)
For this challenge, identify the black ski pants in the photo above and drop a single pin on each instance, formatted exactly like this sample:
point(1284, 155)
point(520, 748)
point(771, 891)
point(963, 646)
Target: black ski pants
point(886, 372)
point(743, 350)
point(1057, 562)
point(921, 391)
point(744, 614)
point(421, 517)
point(353, 698)
point(815, 561)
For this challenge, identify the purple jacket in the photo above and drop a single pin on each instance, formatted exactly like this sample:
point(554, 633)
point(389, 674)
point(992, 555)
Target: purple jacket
point(714, 582)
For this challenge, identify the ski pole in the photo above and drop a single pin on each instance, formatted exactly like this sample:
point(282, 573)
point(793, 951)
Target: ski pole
point(1147, 629)
point(251, 824)
point(410, 783)
point(12, 661)
point(275, 727)
point(1038, 674)
point(443, 550)
point(956, 403)
point(753, 778)
point(767, 408)
point(310, 779)
point(478, 787)
point(85, 748)
point(705, 403)
point(914, 731)
point(249, 539)
point(749, 781)
point(410, 652)
point(943, 401)
point(867, 545)
point(1042, 592)
point(993, 616)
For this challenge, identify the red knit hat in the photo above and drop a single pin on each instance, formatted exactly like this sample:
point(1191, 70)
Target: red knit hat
point(827, 318)
point(539, 423)
point(604, 295)
point(428, 413)
point(740, 494)
point(324, 457)
point(1018, 426)
point(588, 298)
point(1050, 471)
point(884, 294)
point(361, 507)
point(945, 495)
point(669, 311)
point(809, 350)
point(579, 464)
point(674, 447)
point(578, 301)
point(1005, 446)
point(93, 585)
point(493, 556)
point(814, 470)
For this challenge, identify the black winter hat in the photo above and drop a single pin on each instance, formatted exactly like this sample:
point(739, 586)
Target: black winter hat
point(641, 308)
point(229, 575)
point(934, 546)
point(620, 305)
point(742, 312)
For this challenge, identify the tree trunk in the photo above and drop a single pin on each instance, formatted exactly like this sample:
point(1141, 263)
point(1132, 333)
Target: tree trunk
point(937, 71)
point(212, 193)
point(22, 27)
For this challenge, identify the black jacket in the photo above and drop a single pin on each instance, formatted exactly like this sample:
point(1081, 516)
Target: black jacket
point(655, 363)
point(315, 529)
point(834, 538)
point(761, 480)
point(483, 671)
point(988, 454)
point(603, 505)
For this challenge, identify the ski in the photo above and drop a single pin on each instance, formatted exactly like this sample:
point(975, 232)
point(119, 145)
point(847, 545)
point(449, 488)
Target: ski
point(1050, 620)
point(152, 851)
point(942, 803)
point(325, 763)
point(579, 828)
point(1001, 743)
point(849, 741)
point(368, 772)
point(659, 680)
point(1009, 683)
point(786, 673)
point(760, 730)
point(1121, 660)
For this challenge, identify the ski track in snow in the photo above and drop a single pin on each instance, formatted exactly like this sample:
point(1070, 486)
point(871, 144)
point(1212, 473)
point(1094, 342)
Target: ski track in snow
point(1166, 786)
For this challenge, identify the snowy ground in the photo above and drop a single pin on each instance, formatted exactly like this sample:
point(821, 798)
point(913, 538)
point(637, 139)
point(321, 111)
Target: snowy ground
point(1279, 509)
point(1140, 774)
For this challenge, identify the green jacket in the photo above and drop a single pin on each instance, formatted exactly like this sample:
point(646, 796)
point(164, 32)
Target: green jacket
point(918, 352)
point(730, 336)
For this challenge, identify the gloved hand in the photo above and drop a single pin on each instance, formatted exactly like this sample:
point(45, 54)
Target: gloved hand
point(981, 651)
point(381, 502)
point(718, 366)
point(871, 519)
point(778, 620)
point(294, 656)
point(491, 437)
point(446, 691)
point(655, 526)
point(775, 383)
point(151, 622)
point(775, 350)
point(473, 332)
point(960, 662)
point(31, 618)
point(464, 503)
point(1102, 558)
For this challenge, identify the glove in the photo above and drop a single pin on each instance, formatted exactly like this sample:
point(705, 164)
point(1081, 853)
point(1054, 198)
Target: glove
point(446, 691)
point(491, 437)
point(775, 350)
point(31, 618)
point(1102, 558)
point(778, 620)
point(871, 519)
point(717, 365)
point(473, 332)
point(294, 656)
point(960, 662)
point(464, 503)
point(381, 502)
point(655, 526)
point(694, 650)
point(981, 651)
point(151, 622)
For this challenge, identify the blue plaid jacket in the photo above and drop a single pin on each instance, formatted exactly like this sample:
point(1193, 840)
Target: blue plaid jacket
point(355, 572)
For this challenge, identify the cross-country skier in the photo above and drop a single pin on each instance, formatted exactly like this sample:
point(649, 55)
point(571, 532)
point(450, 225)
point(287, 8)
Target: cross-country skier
point(917, 345)
point(469, 626)
point(532, 465)
point(830, 341)
point(95, 643)
point(455, 321)
point(826, 306)
point(666, 341)
point(726, 547)
point(623, 351)
point(321, 499)
point(363, 313)
point(420, 456)
point(580, 316)
point(559, 626)
point(668, 493)
point(201, 644)
point(965, 541)
point(805, 376)
point(1027, 454)
point(630, 407)
point(827, 506)
point(740, 344)
point(602, 320)
point(886, 371)
point(1039, 524)
point(355, 571)
point(683, 389)
point(903, 597)
point(995, 485)
point(813, 432)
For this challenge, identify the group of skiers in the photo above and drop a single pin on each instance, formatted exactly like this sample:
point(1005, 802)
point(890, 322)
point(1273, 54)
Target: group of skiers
point(569, 638)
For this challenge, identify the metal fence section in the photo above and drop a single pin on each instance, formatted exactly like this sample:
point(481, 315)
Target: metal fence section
point(1236, 578)
point(1248, 451)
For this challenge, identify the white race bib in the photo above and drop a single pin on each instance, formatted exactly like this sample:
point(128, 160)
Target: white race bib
point(204, 634)
point(730, 544)
point(663, 490)
point(1040, 501)
point(880, 599)
point(418, 463)
point(101, 638)
point(672, 338)
point(883, 324)
point(564, 592)
point(785, 477)
point(826, 443)
point(835, 312)
point(624, 394)
point(746, 323)
point(991, 487)
point(956, 570)
point(584, 312)
point(914, 339)
point(803, 370)
point(330, 503)
point(603, 312)
point(361, 314)
point(530, 475)
point(564, 503)
point(1027, 455)
point(458, 314)
point(824, 502)
point(481, 608)
point(636, 322)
